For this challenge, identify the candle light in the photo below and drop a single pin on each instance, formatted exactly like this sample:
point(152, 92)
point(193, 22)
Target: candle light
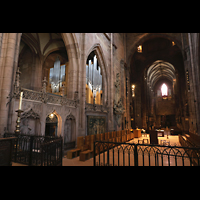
point(20, 101)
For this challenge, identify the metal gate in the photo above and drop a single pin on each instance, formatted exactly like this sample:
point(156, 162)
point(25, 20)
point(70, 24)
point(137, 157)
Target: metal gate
point(51, 153)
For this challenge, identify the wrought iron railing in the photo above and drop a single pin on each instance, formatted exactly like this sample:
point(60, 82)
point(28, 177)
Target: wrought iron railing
point(51, 153)
point(35, 150)
point(130, 154)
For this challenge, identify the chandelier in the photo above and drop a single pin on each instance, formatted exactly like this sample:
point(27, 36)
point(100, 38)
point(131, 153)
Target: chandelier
point(57, 76)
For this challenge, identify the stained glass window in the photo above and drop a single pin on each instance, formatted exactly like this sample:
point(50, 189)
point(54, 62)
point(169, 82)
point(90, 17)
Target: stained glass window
point(164, 89)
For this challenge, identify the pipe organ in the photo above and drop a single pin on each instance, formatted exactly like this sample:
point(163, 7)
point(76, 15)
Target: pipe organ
point(57, 76)
point(94, 78)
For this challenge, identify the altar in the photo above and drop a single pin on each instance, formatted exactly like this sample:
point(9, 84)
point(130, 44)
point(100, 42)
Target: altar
point(160, 133)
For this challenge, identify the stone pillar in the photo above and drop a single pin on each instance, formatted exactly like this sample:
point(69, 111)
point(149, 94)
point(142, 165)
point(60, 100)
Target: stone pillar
point(111, 85)
point(43, 119)
point(81, 88)
point(194, 73)
point(72, 71)
point(37, 72)
point(1, 63)
point(7, 63)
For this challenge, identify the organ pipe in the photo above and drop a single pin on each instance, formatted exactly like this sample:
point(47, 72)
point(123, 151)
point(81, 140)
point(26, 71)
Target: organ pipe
point(93, 76)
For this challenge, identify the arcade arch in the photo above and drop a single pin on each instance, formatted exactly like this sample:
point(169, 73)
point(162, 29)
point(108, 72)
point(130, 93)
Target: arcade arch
point(38, 52)
point(160, 62)
point(96, 51)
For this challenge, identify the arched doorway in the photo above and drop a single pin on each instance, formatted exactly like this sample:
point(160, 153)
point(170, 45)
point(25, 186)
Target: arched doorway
point(51, 125)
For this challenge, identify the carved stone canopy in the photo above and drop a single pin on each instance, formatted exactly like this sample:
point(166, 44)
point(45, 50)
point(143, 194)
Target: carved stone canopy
point(30, 114)
point(70, 117)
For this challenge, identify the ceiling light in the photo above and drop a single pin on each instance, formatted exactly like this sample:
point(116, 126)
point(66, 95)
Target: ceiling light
point(51, 115)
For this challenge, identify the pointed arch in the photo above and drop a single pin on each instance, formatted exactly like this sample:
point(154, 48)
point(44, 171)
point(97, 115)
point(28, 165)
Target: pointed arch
point(73, 51)
point(147, 36)
point(59, 128)
point(70, 116)
point(71, 44)
point(102, 61)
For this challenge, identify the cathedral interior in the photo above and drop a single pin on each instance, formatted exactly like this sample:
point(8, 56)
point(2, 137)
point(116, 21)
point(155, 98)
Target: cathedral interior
point(79, 84)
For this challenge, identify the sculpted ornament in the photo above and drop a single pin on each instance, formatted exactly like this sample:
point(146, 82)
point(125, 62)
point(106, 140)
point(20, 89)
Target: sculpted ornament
point(118, 111)
point(117, 83)
point(30, 114)
point(118, 107)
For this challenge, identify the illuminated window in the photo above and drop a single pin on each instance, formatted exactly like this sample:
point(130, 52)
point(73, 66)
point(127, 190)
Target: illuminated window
point(164, 90)
point(133, 90)
point(139, 49)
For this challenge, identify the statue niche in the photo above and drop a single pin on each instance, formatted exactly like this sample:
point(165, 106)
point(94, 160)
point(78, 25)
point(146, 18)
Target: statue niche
point(69, 129)
point(30, 123)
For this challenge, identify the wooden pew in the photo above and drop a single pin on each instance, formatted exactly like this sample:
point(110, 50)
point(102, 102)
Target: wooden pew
point(114, 136)
point(92, 139)
point(85, 155)
point(88, 153)
point(76, 152)
point(109, 135)
point(194, 138)
point(106, 137)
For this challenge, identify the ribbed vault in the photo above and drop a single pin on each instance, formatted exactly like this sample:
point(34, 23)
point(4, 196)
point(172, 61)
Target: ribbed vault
point(160, 69)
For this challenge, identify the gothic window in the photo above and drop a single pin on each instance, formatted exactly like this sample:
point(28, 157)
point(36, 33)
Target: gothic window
point(164, 90)
point(139, 49)
point(133, 90)
point(93, 80)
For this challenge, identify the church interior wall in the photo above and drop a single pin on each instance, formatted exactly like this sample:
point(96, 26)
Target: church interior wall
point(34, 53)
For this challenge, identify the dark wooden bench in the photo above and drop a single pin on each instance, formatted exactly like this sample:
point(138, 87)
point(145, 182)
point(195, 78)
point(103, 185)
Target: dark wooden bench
point(73, 153)
point(188, 141)
point(85, 155)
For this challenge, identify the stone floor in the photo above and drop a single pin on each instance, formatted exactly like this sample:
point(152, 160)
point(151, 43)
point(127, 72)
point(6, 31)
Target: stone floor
point(75, 161)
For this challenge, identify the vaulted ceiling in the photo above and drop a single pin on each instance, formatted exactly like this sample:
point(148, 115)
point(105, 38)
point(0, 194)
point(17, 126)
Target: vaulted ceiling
point(161, 58)
point(42, 43)
point(160, 69)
